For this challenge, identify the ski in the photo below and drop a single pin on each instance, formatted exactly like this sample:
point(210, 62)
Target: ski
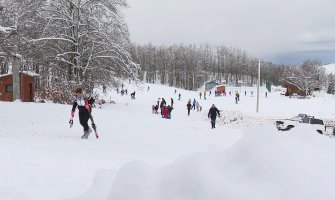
point(94, 127)
point(71, 122)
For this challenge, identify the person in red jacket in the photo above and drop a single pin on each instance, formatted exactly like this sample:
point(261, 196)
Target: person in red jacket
point(82, 102)
point(166, 112)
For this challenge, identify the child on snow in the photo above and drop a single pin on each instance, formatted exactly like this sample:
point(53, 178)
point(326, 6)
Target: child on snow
point(84, 107)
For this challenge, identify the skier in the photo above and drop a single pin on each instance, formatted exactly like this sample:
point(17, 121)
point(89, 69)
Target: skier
point(213, 111)
point(188, 105)
point(172, 102)
point(82, 101)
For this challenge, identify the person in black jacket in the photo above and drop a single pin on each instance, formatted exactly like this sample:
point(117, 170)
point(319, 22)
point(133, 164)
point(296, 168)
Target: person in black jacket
point(82, 102)
point(188, 105)
point(213, 111)
point(132, 95)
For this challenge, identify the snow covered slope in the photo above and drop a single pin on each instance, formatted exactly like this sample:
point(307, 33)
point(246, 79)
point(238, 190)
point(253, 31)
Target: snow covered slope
point(180, 158)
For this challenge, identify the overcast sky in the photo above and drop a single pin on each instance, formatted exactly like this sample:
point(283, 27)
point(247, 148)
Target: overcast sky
point(278, 31)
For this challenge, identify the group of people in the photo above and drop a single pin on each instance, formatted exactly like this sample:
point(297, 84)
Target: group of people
point(165, 109)
point(123, 91)
point(194, 105)
point(212, 113)
point(84, 104)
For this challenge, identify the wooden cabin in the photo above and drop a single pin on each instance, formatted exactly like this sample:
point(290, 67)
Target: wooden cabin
point(27, 86)
point(292, 89)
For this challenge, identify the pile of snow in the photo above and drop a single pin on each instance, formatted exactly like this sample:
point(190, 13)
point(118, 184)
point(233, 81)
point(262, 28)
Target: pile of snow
point(264, 164)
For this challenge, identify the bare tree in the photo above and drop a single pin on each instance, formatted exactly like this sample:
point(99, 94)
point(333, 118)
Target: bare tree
point(190, 66)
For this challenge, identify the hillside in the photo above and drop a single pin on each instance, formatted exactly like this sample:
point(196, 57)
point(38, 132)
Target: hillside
point(156, 158)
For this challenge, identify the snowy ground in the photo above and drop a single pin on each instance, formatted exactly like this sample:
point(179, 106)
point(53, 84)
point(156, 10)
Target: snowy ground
point(141, 156)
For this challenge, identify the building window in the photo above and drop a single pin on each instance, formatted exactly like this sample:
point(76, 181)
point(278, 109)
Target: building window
point(9, 88)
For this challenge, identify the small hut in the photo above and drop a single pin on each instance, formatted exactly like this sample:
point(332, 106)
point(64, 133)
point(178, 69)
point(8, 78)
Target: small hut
point(292, 89)
point(220, 90)
point(210, 85)
point(27, 86)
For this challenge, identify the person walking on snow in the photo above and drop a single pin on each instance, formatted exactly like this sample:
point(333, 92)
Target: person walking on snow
point(213, 111)
point(193, 104)
point(82, 102)
point(198, 106)
point(188, 105)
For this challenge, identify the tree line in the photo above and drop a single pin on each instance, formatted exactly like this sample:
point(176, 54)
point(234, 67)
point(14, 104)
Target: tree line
point(190, 66)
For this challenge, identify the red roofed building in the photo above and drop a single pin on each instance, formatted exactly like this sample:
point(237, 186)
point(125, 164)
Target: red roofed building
point(27, 86)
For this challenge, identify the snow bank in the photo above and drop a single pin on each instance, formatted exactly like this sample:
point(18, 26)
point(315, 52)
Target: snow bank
point(265, 164)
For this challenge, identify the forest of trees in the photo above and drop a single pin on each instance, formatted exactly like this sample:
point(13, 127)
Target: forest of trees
point(72, 43)
point(189, 67)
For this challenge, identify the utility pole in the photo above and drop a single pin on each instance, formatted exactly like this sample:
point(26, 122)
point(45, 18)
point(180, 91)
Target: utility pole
point(16, 70)
point(259, 82)
point(224, 67)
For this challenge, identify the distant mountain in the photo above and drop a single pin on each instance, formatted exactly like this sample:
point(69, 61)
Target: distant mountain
point(330, 68)
point(301, 56)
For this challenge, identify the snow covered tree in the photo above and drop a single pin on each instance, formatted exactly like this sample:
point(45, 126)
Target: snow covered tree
point(331, 84)
point(19, 21)
point(307, 77)
point(85, 42)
